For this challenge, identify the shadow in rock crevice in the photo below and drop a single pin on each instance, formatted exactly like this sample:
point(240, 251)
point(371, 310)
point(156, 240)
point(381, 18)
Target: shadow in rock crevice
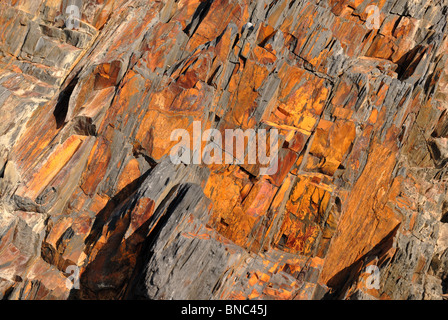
point(105, 276)
point(344, 279)
point(61, 109)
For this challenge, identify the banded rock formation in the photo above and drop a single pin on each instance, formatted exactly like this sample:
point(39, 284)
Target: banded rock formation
point(85, 175)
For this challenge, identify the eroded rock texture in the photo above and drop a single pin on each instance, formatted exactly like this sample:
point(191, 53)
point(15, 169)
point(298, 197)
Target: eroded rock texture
point(86, 181)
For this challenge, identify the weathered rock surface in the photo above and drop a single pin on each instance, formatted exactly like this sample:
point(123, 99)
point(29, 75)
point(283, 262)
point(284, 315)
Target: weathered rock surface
point(86, 182)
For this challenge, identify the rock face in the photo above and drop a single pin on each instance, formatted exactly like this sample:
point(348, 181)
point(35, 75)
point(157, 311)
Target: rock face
point(92, 207)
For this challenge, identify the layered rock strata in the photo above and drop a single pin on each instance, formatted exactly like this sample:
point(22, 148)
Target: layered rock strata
point(86, 181)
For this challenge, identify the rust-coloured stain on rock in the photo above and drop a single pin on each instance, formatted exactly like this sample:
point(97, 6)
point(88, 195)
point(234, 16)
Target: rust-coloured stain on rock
point(87, 181)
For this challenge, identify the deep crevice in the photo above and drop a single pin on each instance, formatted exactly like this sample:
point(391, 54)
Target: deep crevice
point(61, 109)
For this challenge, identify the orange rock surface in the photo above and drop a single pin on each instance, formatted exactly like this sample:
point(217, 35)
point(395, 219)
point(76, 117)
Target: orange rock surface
point(87, 182)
